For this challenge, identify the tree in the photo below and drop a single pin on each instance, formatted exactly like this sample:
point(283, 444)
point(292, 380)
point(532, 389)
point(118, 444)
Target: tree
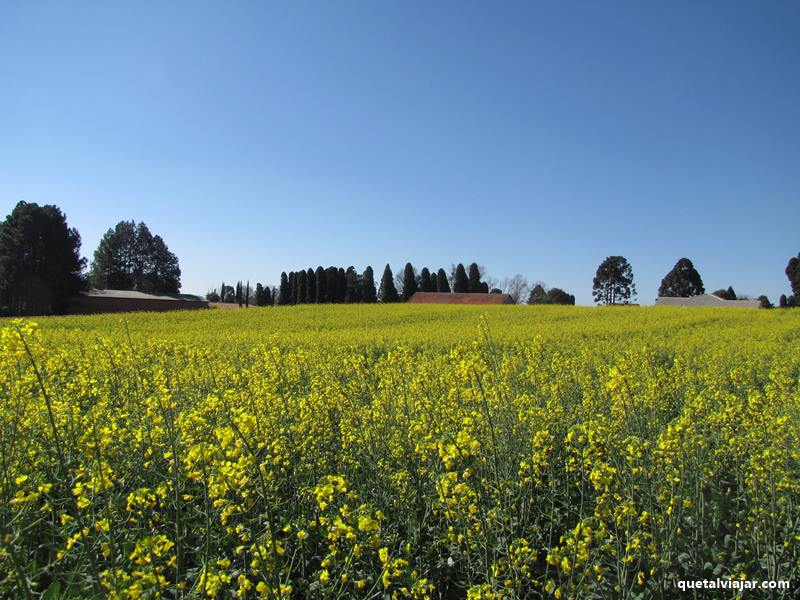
point(613, 282)
point(538, 295)
point(793, 273)
point(222, 292)
point(425, 282)
point(409, 282)
point(460, 281)
point(239, 293)
point(247, 295)
point(352, 291)
point(268, 296)
point(682, 281)
point(516, 287)
point(368, 293)
point(388, 292)
point(301, 287)
point(283, 290)
point(228, 296)
point(311, 286)
point(442, 285)
point(474, 279)
point(259, 294)
point(728, 294)
point(321, 284)
point(129, 257)
point(559, 296)
point(40, 263)
point(764, 302)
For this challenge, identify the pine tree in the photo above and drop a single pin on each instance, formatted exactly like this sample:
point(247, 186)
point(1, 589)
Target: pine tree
point(368, 293)
point(682, 281)
point(409, 282)
point(267, 296)
point(460, 281)
point(388, 293)
point(222, 292)
point(311, 286)
point(259, 294)
point(474, 280)
point(442, 285)
point(341, 284)
point(239, 293)
point(793, 273)
point(613, 281)
point(301, 286)
point(247, 295)
point(292, 287)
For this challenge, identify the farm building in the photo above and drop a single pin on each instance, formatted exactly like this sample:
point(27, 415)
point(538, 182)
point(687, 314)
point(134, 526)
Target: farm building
point(707, 300)
point(446, 298)
point(106, 301)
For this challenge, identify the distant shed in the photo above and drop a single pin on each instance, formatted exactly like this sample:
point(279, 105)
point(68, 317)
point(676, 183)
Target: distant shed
point(446, 298)
point(108, 301)
point(707, 300)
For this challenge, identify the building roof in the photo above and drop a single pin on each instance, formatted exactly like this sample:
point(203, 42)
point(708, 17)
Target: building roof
point(134, 295)
point(707, 300)
point(447, 298)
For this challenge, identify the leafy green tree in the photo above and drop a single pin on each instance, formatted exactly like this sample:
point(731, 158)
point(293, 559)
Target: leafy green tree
point(559, 296)
point(793, 273)
point(129, 257)
point(40, 263)
point(212, 296)
point(538, 295)
point(341, 284)
point(682, 281)
point(247, 295)
point(239, 293)
point(442, 285)
point(409, 282)
point(228, 295)
point(301, 286)
point(613, 282)
point(474, 280)
point(368, 293)
point(764, 302)
point(259, 294)
point(388, 292)
point(222, 292)
point(782, 301)
point(460, 281)
point(728, 294)
point(268, 296)
point(311, 286)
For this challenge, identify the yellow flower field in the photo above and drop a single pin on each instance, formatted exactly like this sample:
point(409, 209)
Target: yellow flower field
point(400, 451)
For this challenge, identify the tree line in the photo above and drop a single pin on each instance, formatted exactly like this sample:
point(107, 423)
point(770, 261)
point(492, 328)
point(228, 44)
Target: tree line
point(41, 268)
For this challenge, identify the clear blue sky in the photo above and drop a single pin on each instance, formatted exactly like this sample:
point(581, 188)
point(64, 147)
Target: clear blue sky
point(533, 138)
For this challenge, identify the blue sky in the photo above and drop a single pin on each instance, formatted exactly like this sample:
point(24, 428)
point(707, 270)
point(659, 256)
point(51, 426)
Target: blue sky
point(533, 138)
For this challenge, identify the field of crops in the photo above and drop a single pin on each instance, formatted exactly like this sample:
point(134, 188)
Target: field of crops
point(399, 451)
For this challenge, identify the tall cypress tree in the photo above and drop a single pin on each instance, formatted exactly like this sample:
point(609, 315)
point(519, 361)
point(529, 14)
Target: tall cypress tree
point(292, 288)
point(332, 280)
point(311, 286)
point(259, 294)
point(247, 295)
point(368, 293)
point(388, 293)
point(267, 296)
point(321, 284)
point(425, 282)
point(341, 284)
point(301, 286)
point(409, 282)
point(474, 279)
point(460, 281)
point(283, 290)
point(352, 288)
point(442, 285)
point(222, 292)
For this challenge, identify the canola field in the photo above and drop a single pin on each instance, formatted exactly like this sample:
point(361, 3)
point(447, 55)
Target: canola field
point(400, 451)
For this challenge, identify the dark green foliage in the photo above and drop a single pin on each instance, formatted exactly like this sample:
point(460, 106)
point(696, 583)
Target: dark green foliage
point(352, 291)
point(222, 292)
point(682, 281)
point(495, 291)
point(228, 295)
point(283, 293)
point(302, 285)
point(368, 293)
point(40, 263)
point(460, 281)
point(791, 301)
point(388, 292)
point(540, 295)
point(442, 285)
point(321, 285)
point(129, 257)
point(341, 284)
point(239, 293)
point(764, 301)
point(409, 282)
point(426, 284)
point(613, 282)
point(292, 287)
point(268, 296)
point(247, 295)
point(332, 280)
point(484, 288)
point(212, 296)
point(728, 294)
point(793, 273)
point(782, 301)
point(259, 300)
point(311, 286)
point(474, 280)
